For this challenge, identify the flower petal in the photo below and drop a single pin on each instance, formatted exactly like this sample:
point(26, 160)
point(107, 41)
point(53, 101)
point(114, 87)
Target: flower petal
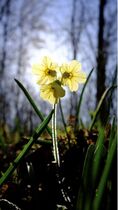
point(75, 66)
point(64, 68)
point(52, 92)
point(73, 85)
point(37, 68)
point(81, 77)
point(46, 61)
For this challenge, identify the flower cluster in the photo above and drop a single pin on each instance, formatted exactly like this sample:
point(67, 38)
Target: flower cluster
point(52, 78)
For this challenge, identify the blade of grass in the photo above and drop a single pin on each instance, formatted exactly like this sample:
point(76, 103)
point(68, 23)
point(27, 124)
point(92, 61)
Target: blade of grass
point(84, 195)
point(101, 187)
point(80, 99)
point(39, 141)
point(98, 154)
point(114, 82)
point(112, 133)
point(99, 105)
point(26, 148)
point(33, 104)
point(99, 151)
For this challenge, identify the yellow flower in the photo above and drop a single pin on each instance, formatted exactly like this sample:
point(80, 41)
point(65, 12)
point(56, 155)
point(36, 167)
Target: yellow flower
point(52, 92)
point(46, 71)
point(72, 75)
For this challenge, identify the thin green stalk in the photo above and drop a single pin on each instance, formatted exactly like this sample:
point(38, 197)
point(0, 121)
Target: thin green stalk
point(112, 133)
point(33, 104)
point(56, 140)
point(100, 105)
point(85, 190)
point(99, 151)
point(101, 187)
point(54, 137)
point(80, 100)
point(114, 82)
point(26, 148)
point(64, 123)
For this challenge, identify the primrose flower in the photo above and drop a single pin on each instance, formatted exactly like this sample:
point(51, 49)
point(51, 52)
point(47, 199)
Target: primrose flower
point(52, 92)
point(72, 75)
point(46, 71)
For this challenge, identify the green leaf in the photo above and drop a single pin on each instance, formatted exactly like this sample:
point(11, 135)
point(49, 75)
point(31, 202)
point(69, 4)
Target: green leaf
point(113, 132)
point(102, 184)
point(100, 105)
point(84, 195)
point(98, 154)
point(114, 82)
point(33, 104)
point(81, 97)
point(26, 148)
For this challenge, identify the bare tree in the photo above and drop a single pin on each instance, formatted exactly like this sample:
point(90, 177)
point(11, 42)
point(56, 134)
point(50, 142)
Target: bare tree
point(4, 17)
point(20, 32)
point(106, 40)
point(101, 59)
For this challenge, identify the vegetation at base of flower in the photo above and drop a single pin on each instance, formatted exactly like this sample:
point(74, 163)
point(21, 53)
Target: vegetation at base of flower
point(86, 177)
point(52, 77)
point(82, 163)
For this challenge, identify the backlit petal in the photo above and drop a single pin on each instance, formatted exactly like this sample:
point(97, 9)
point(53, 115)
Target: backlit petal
point(36, 68)
point(75, 65)
point(64, 68)
point(82, 77)
point(52, 92)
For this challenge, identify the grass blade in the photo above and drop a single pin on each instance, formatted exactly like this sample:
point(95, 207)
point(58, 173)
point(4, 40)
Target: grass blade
point(101, 187)
point(100, 104)
point(98, 154)
point(84, 195)
point(32, 103)
point(80, 100)
point(114, 82)
point(26, 148)
point(113, 132)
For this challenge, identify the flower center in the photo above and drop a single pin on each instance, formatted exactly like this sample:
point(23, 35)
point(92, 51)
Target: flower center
point(51, 72)
point(66, 75)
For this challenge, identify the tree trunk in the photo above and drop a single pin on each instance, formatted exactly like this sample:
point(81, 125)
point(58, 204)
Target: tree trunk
point(3, 101)
point(101, 60)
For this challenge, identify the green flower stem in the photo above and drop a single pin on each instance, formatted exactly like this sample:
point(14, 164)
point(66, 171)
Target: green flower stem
point(54, 137)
